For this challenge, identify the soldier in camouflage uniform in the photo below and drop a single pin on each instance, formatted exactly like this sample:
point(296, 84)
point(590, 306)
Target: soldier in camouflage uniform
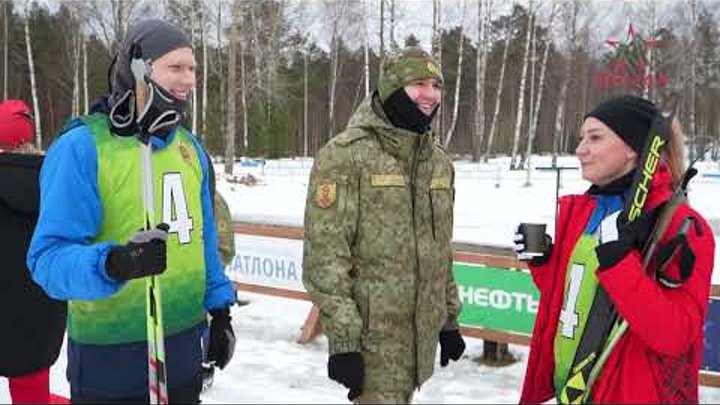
point(378, 227)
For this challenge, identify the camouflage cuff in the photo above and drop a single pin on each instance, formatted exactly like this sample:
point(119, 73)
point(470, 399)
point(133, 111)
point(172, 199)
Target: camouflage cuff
point(345, 346)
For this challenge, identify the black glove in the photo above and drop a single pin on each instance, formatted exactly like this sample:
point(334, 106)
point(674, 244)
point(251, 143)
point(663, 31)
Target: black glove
point(519, 248)
point(630, 235)
point(349, 370)
point(222, 338)
point(144, 255)
point(452, 346)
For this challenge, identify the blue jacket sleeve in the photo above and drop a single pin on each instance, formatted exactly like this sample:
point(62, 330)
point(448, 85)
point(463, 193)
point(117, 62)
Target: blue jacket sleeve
point(219, 292)
point(61, 257)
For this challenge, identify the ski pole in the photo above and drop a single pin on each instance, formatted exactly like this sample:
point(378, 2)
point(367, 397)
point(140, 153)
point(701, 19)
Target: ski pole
point(157, 376)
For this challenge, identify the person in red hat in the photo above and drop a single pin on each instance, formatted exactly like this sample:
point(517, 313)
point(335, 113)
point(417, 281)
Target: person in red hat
point(35, 322)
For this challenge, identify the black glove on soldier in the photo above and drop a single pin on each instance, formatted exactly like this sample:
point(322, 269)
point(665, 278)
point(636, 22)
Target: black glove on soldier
point(632, 235)
point(144, 255)
point(452, 346)
point(349, 370)
point(222, 338)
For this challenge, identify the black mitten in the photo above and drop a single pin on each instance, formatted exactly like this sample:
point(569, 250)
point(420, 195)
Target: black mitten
point(349, 370)
point(452, 346)
point(144, 255)
point(222, 338)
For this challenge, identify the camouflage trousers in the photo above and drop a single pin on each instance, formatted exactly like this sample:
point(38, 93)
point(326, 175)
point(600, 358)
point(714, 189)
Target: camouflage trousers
point(394, 397)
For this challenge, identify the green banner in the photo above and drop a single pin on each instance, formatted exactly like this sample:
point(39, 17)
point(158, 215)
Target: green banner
point(494, 298)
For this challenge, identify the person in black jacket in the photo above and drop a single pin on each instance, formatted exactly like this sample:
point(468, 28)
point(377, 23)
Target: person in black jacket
point(33, 323)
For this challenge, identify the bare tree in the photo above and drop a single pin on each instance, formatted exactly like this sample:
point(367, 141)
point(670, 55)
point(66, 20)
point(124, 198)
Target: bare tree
point(243, 81)
point(571, 12)
point(535, 115)
point(231, 91)
point(480, 68)
point(86, 108)
point(514, 162)
point(33, 84)
point(693, 78)
point(205, 75)
point(393, 43)
point(382, 29)
point(458, 81)
point(498, 96)
point(193, 38)
point(650, 66)
point(366, 54)
point(437, 53)
point(338, 11)
point(111, 19)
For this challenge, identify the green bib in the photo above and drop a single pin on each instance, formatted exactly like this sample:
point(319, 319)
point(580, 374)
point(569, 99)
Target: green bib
point(177, 182)
point(580, 286)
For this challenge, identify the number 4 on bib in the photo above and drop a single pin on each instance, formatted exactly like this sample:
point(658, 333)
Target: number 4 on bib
point(174, 207)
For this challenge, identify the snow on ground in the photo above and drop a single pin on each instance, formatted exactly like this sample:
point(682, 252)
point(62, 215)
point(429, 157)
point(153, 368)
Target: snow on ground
point(490, 200)
point(270, 367)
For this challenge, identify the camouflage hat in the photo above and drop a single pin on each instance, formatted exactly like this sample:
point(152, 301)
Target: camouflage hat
point(413, 63)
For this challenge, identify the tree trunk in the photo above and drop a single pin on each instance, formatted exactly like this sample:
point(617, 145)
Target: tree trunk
point(231, 91)
point(382, 31)
point(650, 68)
point(693, 82)
point(305, 102)
point(458, 82)
point(205, 68)
point(33, 85)
point(535, 118)
point(334, 64)
point(437, 52)
point(243, 84)
point(86, 97)
point(193, 95)
point(76, 73)
point(514, 162)
point(498, 97)
point(480, 68)
point(393, 43)
point(560, 113)
point(366, 54)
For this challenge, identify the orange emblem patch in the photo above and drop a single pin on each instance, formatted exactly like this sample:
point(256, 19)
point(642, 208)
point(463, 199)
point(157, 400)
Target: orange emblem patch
point(326, 194)
point(185, 153)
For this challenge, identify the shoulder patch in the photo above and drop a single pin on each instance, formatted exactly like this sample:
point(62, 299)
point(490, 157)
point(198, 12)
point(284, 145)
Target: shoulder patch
point(326, 194)
point(350, 135)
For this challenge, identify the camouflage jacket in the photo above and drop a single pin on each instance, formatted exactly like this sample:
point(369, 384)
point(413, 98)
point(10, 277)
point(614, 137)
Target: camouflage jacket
point(225, 230)
point(377, 253)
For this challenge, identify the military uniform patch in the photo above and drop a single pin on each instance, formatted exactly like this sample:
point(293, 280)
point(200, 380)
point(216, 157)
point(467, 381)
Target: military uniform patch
point(326, 194)
point(185, 152)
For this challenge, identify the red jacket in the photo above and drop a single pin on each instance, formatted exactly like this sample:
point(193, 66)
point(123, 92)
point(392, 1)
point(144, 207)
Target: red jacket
point(658, 358)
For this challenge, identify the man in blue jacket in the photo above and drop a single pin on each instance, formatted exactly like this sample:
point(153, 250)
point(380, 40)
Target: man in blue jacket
point(87, 248)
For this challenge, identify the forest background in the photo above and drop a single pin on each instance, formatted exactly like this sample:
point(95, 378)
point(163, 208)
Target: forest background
point(278, 78)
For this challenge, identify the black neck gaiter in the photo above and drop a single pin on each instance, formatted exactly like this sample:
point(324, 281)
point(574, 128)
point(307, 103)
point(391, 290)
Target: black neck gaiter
point(404, 113)
point(616, 187)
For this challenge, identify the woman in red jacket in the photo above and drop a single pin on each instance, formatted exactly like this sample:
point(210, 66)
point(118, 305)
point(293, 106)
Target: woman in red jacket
point(657, 359)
